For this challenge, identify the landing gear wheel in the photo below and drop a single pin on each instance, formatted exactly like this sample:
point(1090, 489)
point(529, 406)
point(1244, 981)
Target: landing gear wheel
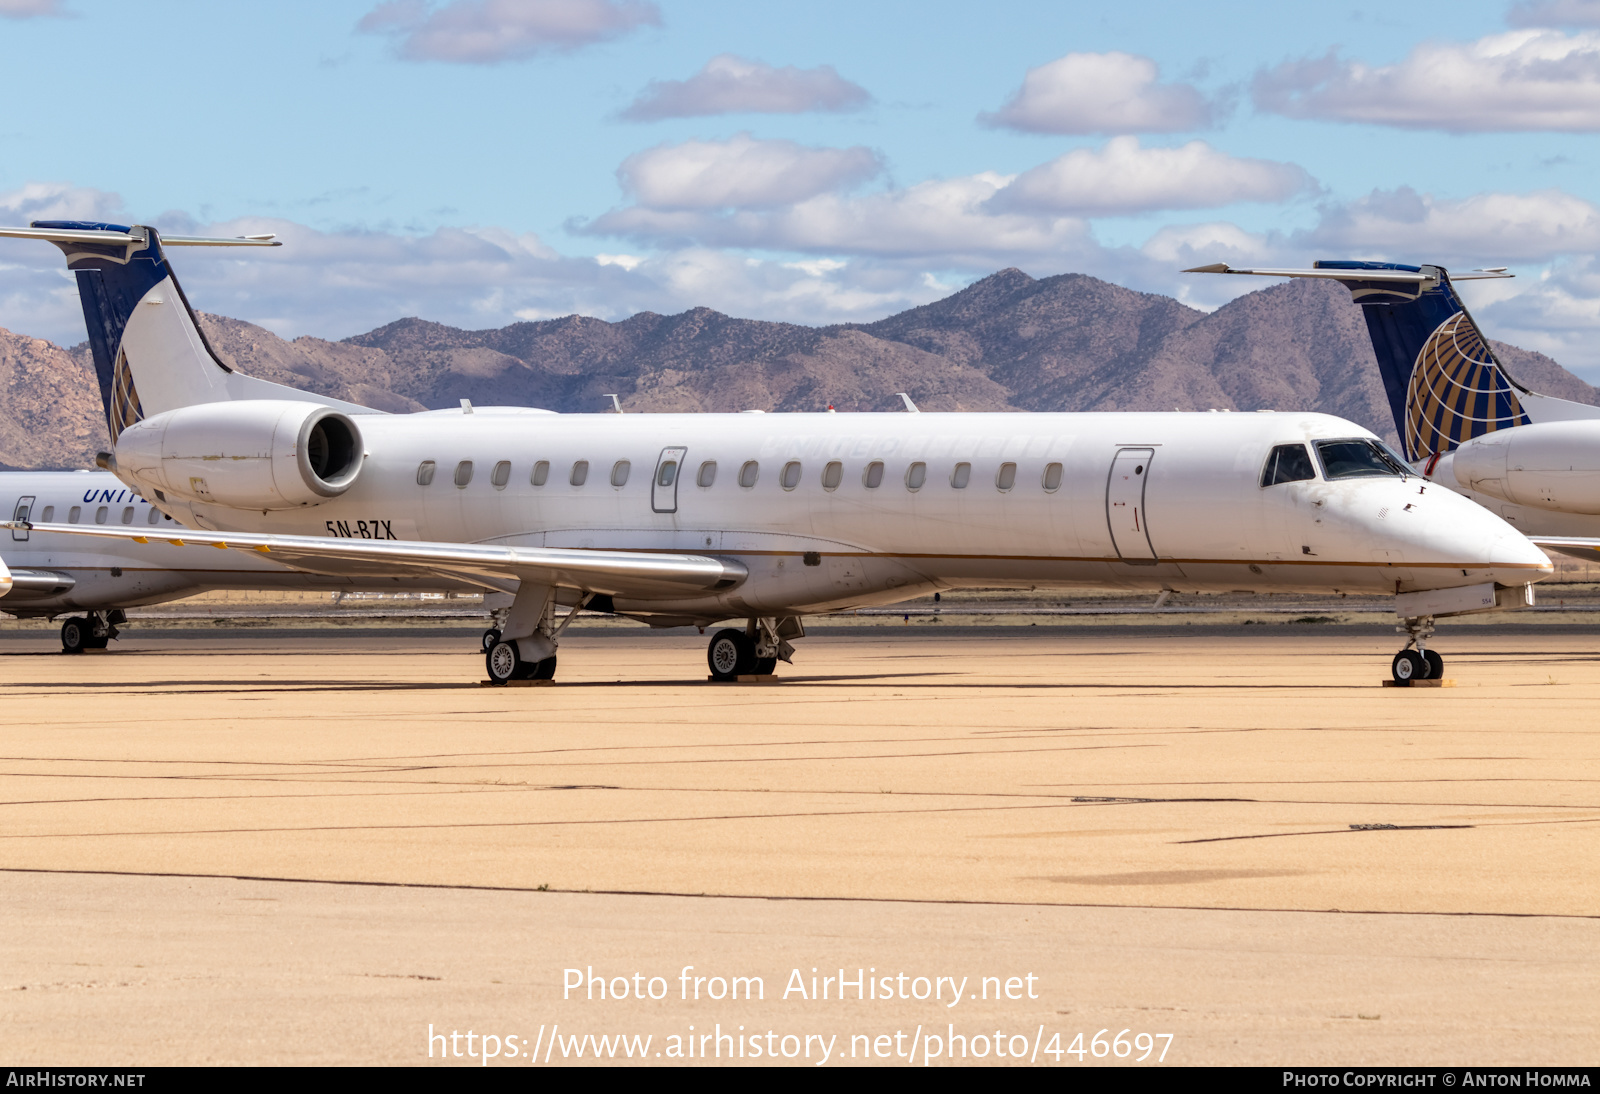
point(1435, 665)
point(1409, 665)
point(490, 637)
point(504, 663)
point(544, 670)
point(765, 666)
point(76, 635)
point(731, 655)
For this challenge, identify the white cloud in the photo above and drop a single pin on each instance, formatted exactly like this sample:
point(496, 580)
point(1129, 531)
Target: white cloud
point(734, 85)
point(944, 221)
point(491, 31)
point(1522, 80)
point(1122, 178)
point(28, 9)
point(741, 173)
point(57, 201)
point(1101, 93)
point(1488, 229)
point(1555, 13)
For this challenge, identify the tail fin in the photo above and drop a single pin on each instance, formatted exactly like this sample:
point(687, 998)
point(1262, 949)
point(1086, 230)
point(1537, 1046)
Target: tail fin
point(150, 354)
point(1444, 383)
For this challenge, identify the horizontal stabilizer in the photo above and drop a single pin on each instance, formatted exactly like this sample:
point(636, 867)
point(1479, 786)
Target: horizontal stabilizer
point(1368, 272)
point(113, 233)
point(641, 575)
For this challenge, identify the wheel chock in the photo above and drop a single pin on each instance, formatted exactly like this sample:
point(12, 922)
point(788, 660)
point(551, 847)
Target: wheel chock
point(1419, 683)
point(745, 680)
point(517, 684)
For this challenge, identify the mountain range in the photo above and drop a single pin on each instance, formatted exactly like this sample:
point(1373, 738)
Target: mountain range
point(1008, 342)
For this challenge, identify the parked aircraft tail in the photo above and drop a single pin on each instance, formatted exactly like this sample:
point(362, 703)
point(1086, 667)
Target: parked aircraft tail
point(150, 354)
point(1444, 383)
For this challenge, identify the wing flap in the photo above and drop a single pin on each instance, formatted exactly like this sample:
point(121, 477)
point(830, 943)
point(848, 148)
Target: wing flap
point(631, 574)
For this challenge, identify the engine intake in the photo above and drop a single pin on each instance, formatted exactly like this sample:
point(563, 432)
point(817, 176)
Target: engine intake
point(250, 454)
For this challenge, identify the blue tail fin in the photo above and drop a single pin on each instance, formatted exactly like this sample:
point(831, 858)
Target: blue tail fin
point(150, 352)
point(1445, 385)
point(114, 278)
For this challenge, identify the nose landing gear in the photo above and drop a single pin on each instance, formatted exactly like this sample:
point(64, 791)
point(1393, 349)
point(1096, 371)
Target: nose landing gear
point(1415, 661)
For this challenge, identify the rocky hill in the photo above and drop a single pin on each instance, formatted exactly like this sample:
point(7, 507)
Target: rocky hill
point(1008, 342)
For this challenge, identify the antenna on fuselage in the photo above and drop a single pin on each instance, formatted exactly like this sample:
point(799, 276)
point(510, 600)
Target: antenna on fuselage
point(906, 399)
point(616, 403)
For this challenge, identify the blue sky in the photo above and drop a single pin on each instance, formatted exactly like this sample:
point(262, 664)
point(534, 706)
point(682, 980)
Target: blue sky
point(480, 161)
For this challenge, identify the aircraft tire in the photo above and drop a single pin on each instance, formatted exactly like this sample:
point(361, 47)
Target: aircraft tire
point(504, 663)
point(765, 666)
point(544, 670)
point(1409, 665)
point(731, 654)
point(1435, 665)
point(76, 635)
point(490, 637)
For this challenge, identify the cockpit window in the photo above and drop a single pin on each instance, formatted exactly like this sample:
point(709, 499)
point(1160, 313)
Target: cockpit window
point(1287, 463)
point(1356, 459)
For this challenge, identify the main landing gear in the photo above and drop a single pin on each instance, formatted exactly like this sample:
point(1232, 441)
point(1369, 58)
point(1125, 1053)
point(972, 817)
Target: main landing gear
point(92, 632)
point(1415, 661)
point(529, 653)
point(754, 651)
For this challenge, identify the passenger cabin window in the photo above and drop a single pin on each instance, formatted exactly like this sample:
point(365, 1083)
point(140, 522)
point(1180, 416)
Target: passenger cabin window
point(1007, 478)
point(425, 473)
point(620, 469)
point(791, 475)
point(1052, 477)
point(872, 477)
point(463, 473)
point(749, 473)
point(154, 517)
point(74, 513)
point(707, 475)
point(1287, 463)
point(961, 476)
point(916, 475)
point(100, 514)
point(832, 475)
point(541, 473)
point(667, 473)
point(1357, 459)
point(49, 514)
point(580, 473)
point(127, 515)
point(501, 474)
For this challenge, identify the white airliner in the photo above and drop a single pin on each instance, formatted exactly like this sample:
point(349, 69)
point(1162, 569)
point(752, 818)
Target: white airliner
point(54, 574)
point(680, 519)
point(1463, 420)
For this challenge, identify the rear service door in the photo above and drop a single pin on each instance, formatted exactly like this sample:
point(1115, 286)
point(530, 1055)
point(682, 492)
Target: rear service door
point(664, 487)
point(23, 511)
point(1125, 511)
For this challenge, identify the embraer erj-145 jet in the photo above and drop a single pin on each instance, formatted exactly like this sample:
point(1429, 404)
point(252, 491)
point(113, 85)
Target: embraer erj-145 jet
point(1463, 420)
point(54, 575)
point(690, 519)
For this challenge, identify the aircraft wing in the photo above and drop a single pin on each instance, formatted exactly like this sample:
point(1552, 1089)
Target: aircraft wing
point(633, 574)
point(1577, 546)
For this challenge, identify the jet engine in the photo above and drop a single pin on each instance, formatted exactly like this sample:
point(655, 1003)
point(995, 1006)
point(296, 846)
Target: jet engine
point(1551, 465)
point(250, 454)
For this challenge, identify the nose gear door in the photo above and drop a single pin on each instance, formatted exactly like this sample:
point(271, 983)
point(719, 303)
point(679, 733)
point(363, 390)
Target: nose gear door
point(1125, 508)
point(664, 486)
point(23, 511)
